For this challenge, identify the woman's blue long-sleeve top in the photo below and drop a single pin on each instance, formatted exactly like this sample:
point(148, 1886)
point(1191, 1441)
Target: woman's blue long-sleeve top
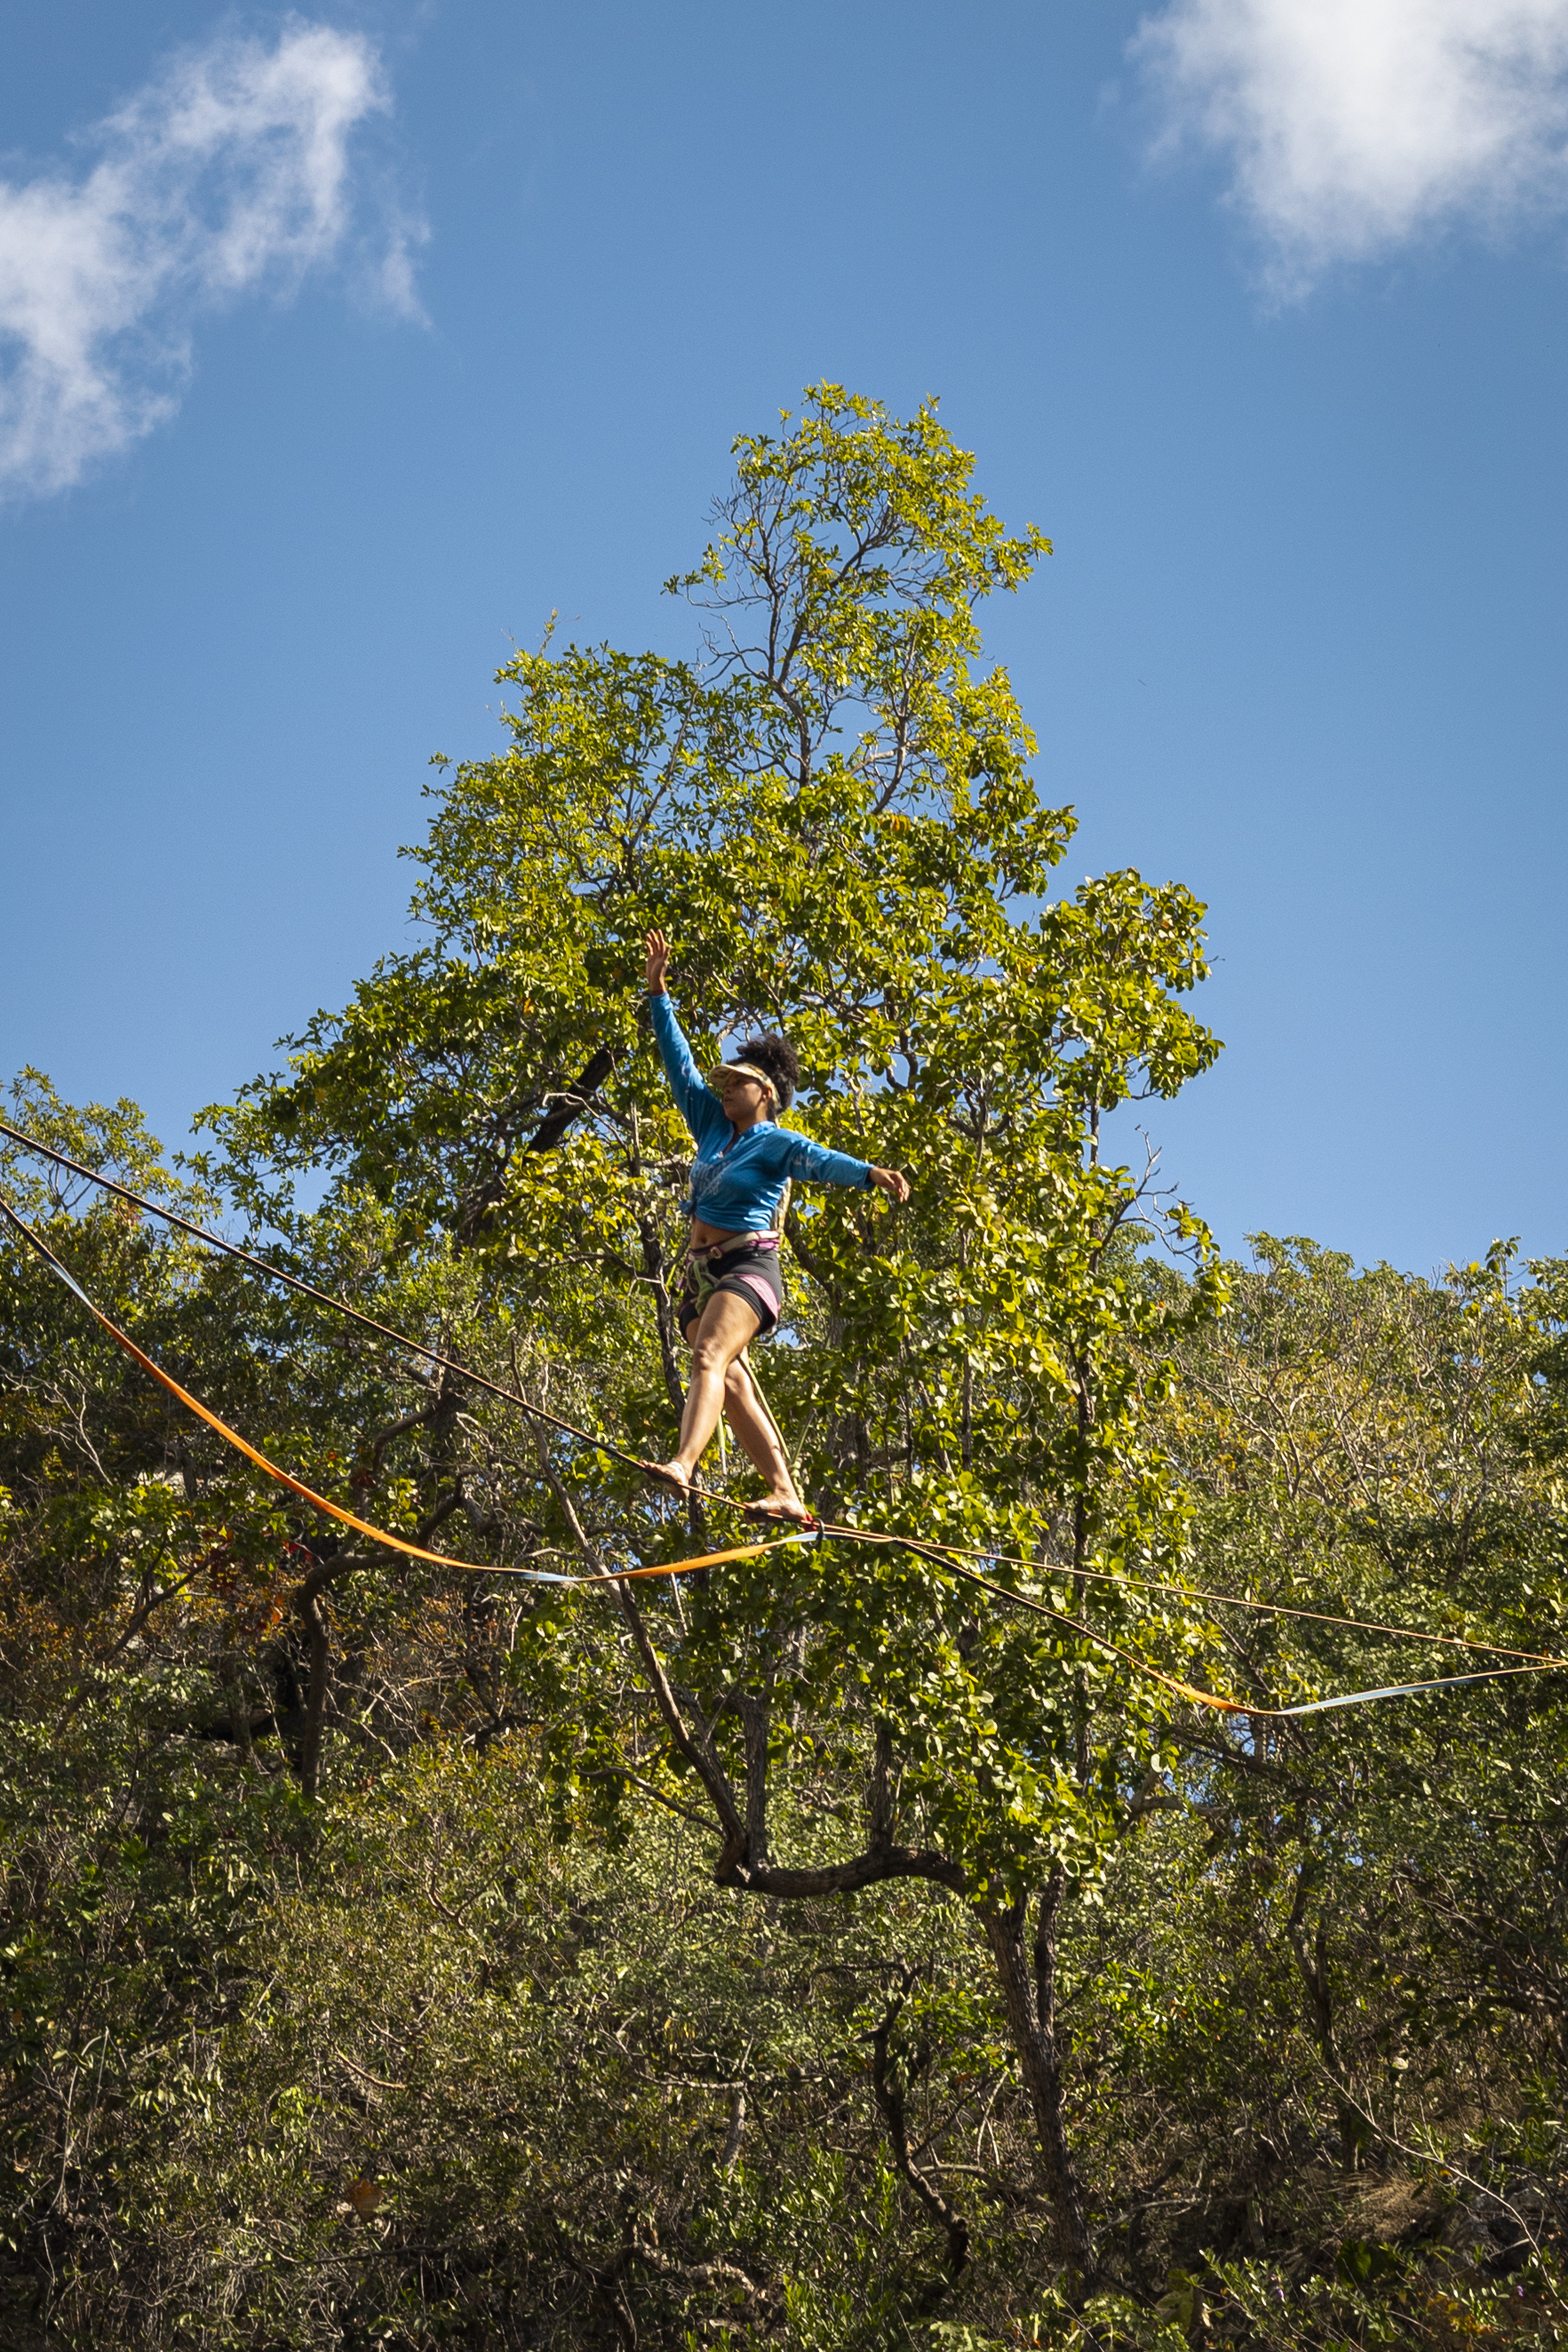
point(737, 1181)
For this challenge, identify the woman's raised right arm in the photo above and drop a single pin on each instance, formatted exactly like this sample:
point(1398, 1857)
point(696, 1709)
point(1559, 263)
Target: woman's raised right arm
point(699, 1105)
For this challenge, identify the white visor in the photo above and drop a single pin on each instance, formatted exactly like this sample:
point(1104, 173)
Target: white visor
point(743, 1070)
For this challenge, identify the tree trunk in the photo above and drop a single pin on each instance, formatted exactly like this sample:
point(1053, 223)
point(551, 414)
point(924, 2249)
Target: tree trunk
point(238, 1704)
point(729, 2155)
point(1030, 1996)
point(314, 1732)
point(887, 2081)
point(1313, 1971)
point(654, 1270)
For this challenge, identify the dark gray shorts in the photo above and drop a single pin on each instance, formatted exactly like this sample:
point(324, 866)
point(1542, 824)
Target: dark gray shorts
point(749, 1270)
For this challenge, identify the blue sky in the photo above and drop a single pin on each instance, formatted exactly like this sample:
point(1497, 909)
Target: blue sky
point(444, 317)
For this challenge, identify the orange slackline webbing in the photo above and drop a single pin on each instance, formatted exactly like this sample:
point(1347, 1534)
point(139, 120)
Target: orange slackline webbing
point(336, 1510)
point(417, 1551)
point(949, 1552)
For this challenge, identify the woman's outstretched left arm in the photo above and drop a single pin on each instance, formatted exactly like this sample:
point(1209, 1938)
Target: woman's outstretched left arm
point(817, 1165)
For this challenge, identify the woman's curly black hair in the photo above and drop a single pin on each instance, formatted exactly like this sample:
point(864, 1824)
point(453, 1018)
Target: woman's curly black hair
point(779, 1059)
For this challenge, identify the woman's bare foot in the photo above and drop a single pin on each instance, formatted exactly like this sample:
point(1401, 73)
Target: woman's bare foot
point(674, 1473)
point(786, 1507)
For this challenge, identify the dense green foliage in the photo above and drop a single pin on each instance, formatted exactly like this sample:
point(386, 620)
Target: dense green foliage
point(819, 1951)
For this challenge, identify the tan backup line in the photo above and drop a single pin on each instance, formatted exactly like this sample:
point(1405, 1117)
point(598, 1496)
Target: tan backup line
point(636, 1461)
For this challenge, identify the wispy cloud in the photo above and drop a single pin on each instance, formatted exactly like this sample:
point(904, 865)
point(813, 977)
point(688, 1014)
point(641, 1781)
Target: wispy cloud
point(1353, 126)
point(230, 174)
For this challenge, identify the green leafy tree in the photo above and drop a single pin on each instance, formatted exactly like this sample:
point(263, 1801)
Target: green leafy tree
point(830, 808)
point(1324, 1993)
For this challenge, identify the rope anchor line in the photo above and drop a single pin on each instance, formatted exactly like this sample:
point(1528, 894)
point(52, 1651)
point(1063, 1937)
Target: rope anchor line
point(954, 1558)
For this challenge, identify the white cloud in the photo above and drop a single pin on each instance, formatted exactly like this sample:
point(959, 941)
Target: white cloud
point(230, 174)
point(1353, 125)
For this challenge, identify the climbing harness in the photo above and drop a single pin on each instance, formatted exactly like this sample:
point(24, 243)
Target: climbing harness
point(954, 1559)
point(710, 1268)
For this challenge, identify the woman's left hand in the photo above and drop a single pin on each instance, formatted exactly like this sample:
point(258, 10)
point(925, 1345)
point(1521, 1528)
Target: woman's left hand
point(888, 1181)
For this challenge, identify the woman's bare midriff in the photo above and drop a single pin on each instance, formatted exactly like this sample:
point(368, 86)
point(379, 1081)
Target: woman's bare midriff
point(711, 1236)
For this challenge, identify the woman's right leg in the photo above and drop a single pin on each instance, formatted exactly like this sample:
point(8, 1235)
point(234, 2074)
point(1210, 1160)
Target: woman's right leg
point(754, 1429)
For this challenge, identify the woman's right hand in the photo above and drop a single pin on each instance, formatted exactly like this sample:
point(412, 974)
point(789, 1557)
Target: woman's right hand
point(658, 963)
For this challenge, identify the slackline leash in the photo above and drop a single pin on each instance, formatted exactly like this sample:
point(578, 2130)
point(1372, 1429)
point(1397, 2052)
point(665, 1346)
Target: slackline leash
point(953, 1558)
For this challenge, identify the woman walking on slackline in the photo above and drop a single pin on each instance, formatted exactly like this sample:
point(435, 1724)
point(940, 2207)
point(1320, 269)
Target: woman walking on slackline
point(733, 1290)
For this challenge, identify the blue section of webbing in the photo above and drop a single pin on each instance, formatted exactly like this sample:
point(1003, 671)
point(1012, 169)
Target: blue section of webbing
point(1410, 1690)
